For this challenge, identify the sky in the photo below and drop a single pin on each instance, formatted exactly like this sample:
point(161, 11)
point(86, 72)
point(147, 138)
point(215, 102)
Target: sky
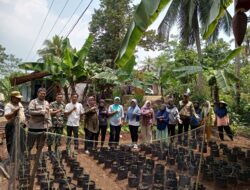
point(20, 21)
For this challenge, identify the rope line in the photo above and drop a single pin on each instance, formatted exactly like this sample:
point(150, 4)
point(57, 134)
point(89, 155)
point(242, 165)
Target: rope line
point(83, 139)
point(77, 7)
point(57, 18)
point(72, 28)
point(40, 30)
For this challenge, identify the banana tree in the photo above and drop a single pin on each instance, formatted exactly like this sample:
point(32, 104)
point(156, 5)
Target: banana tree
point(68, 69)
point(219, 75)
point(120, 76)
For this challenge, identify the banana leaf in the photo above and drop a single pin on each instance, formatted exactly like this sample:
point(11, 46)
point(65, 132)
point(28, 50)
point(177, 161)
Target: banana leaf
point(217, 10)
point(145, 14)
point(222, 81)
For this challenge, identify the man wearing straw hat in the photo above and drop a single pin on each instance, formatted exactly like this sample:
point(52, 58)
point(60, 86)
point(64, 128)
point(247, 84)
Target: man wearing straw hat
point(13, 109)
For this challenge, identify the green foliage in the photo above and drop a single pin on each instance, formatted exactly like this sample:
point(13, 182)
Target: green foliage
point(53, 47)
point(139, 98)
point(216, 11)
point(224, 76)
point(5, 85)
point(146, 12)
point(192, 15)
point(8, 63)
point(109, 25)
point(68, 67)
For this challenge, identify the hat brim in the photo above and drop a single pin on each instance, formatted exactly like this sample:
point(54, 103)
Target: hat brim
point(18, 96)
point(222, 102)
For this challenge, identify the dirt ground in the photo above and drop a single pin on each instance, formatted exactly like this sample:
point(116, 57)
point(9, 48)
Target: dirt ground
point(105, 180)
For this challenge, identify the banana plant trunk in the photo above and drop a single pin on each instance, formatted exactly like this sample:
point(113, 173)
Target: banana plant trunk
point(66, 94)
point(73, 87)
point(216, 96)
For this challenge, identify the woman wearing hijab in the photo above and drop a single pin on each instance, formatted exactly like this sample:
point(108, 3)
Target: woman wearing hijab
point(162, 123)
point(222, 120)
point(174, 117)
point(208, 116)
point(116, 114)
point(103, 121)
point(133, 119)
point(147, 121)
point(91, 123)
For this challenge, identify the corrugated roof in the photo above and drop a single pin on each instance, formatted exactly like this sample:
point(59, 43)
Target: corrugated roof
point(26, 78)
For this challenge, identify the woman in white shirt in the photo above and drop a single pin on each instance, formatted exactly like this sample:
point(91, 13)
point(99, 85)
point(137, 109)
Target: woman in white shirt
point(133, 119)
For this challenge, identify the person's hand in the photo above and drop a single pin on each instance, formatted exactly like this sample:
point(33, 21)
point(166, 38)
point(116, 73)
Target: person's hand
point(180, 121)
point(17, 109)
point(43, 112)
point(93, 108)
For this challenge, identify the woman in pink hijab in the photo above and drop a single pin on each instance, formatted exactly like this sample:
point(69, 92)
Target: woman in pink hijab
point(147, 114)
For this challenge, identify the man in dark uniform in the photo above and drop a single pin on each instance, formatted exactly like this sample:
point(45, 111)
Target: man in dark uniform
point(57, 113)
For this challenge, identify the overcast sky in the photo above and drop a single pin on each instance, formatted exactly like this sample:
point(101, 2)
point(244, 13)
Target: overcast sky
point(20, 21)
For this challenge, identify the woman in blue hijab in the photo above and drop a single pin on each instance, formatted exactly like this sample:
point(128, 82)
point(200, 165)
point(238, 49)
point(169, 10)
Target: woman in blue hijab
point(162, 123)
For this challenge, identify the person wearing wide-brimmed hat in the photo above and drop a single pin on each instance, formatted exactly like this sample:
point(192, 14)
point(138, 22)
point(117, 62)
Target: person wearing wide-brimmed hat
point(222, 120)
point(13, 110)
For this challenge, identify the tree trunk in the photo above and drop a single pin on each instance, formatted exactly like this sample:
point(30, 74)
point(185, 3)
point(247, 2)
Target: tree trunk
point(216, 96)
point(237, 85)
point(200, 81)
point(85, 92)
point(73, 87)
point(66, 94)
point(237, 72)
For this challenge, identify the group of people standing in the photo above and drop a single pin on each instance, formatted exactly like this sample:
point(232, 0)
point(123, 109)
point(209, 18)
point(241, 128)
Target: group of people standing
point(53, 117)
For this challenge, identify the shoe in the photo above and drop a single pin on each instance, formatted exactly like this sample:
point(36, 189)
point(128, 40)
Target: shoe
point(87, 152)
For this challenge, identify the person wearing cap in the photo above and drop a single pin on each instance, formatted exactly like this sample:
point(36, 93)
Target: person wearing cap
point(222, 120)
point(103, 122)
point(73, 111)
point(57, 114)
point(39, 120)
point(13, 110)
point(186, 110)
point(116, 114)
point(133, 119)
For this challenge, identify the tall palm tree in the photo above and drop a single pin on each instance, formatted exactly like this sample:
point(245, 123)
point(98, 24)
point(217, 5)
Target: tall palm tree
point(191, 15)
point(53, 47)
